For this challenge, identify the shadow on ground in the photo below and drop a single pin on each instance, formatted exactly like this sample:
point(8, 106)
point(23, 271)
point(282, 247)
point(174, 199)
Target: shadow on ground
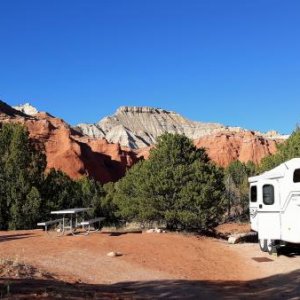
point(11, 237)
point(284, 286)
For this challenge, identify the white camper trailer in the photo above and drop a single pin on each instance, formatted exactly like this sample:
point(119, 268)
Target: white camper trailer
point(275, 205)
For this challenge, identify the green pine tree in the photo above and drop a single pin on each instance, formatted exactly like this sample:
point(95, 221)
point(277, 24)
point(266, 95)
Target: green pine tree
point(21, 172)
point(287, 150)
point(178, 185)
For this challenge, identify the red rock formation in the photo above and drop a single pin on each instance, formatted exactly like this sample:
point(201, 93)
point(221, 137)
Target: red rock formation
point(70, 151)
point(144, 153)
point(225, 147)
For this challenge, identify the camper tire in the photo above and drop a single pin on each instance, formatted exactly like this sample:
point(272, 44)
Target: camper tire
point(272, 246)
point(263, 245)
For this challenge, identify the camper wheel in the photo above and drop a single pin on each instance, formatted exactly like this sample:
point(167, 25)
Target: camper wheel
point(272, 246)
point(263, 245)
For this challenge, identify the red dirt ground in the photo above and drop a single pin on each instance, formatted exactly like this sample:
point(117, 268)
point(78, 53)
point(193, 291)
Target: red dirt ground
point(172, 266)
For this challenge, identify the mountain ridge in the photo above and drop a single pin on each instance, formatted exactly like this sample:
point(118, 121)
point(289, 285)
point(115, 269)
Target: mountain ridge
point(144, 124)
point(122, 137)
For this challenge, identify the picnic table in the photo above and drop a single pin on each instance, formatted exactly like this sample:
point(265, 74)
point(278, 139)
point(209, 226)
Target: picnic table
point(71, 220)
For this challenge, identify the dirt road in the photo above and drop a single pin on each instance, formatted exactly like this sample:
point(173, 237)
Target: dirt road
point(171, 266)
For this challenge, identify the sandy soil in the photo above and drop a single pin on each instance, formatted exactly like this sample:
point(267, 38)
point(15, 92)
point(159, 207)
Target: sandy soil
point(153, 266)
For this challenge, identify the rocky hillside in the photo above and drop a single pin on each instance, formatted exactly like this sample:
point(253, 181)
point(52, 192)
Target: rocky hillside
point(139, 127)
point(69, 150)
point(106, 149)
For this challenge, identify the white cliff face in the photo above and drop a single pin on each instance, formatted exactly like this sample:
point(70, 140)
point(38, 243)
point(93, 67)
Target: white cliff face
point(27, 109)
point(139, 127)
point(91, 130)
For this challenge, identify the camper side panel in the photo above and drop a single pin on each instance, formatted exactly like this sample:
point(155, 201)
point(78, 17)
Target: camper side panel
point(291, 208)
point(269, 216)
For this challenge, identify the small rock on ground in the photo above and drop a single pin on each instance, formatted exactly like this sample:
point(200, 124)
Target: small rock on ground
point(114, 254)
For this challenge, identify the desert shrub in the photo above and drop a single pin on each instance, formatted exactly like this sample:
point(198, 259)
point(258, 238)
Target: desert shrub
point(99, 198)
point(60, 192)
point(237, 189)
point(178, 185)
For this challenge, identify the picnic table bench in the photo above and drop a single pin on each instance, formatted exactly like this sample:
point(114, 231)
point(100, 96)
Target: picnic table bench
point(73, 222)
point(90, 222)
point(56, 222)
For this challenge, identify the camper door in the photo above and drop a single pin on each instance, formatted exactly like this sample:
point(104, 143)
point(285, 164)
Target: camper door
point(253, 206)
point(268, 210)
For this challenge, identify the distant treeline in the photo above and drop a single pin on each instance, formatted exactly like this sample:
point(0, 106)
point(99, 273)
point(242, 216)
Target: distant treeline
point(177, 186)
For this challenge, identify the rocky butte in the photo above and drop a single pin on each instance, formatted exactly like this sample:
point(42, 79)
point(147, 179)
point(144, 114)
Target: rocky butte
point(139, 127)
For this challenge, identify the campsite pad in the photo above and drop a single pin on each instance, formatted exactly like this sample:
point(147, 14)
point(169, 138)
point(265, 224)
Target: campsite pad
point(262, 259)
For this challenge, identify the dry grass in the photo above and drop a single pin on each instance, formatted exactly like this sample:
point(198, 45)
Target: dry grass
point(15, 269)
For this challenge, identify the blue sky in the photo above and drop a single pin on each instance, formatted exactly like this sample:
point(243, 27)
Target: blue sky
point(233, 62)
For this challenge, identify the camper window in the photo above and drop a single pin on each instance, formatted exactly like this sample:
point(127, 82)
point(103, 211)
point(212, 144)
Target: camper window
point(268, 194)
point(297, 175)
point(253, 193)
